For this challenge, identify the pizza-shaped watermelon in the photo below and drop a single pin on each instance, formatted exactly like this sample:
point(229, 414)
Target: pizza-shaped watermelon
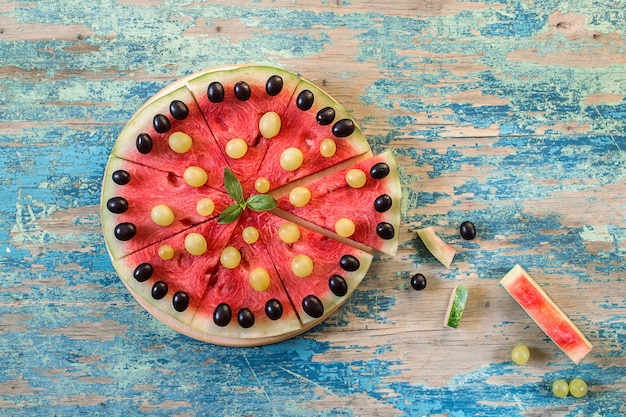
point(242, 206)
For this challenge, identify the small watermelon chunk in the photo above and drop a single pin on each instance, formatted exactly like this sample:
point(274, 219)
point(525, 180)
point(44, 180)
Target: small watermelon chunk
point(337, 269)
point(173, 288)
point(322, 131)
point(131, 191)
point(233, 103)
point(456, 306)
point(548, 316)
point(146, 139)
point(235, 305)
point(371, 190)
point(443, 252)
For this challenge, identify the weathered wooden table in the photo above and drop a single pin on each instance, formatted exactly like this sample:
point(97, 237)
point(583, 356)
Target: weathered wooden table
point(508, 115)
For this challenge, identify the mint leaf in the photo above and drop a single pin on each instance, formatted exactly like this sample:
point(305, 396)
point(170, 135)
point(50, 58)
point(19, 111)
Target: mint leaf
point(230, 214)
point(233, 186)
point(261, 202)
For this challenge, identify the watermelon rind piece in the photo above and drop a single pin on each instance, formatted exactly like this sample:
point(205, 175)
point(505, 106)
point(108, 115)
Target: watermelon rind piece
point(361, 209)
point(544, 311)
point(443, 252)
point(456, 306)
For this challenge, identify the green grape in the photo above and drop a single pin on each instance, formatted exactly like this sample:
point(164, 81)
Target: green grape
point(328, 147)
point(302, 265)
point(269, 124)
point(291, 159)
point(520, 354)
point(236, 148)
point(578, 387)
point(195, 244)
point(180, 142)
point(560, 388)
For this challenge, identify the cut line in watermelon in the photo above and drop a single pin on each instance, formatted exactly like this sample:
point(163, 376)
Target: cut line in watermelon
point(548, 316)
point(245, 283)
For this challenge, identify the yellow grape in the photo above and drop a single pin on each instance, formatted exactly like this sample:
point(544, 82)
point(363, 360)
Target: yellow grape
point(560, 388)
point(328, 147)
point(162, 215)
point(195, 244)
point(344, 227)
point(520, 354)
point(259, 279)
point(180, 142)
point(299, 196)
point(205, 207)
point(302, 265)
point(262, 185)
point(195, 176)
point(289, 233)
point(356, 178)
point(291, 159)
point(250, 235)
point(578, 388)
point(269, 124)
point(236, 148)
point(166, 252)
point(230, 257)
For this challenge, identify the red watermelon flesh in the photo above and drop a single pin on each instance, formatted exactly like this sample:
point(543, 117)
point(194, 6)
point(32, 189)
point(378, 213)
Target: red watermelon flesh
point(185, 276)
point(236, 115)
point(328, 256)
point(176, 111)
point(548, 316)
point(127, 205)
point(232, 287)
point(301, 130)
point(374, 208)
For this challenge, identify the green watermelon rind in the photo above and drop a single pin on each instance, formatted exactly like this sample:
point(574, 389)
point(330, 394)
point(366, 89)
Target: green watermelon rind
point(456, 306)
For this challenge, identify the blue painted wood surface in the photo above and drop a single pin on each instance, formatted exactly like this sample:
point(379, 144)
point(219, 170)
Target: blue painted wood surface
point(510, 114)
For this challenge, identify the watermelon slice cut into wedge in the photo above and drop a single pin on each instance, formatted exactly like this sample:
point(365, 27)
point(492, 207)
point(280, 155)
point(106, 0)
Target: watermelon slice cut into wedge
point(548, 316)
point(146, 138)
point(373, 194)
point(233, 102)
point(257, 277)
point(126, 210)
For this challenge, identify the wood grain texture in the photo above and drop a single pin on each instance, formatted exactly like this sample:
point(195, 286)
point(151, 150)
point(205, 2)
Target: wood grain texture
point(509, 114)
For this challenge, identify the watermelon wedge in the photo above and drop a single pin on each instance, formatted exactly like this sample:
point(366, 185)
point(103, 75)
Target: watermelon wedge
point(233, 103)
point(320, 130)
point(126, 210)
point(256, 309)
point(337, 269)
point(174, 285)
point(251, 277)
point(548, 316)
point(373, 189)
point(146, 138)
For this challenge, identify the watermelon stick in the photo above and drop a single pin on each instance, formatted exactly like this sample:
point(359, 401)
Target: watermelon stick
point(548, 316)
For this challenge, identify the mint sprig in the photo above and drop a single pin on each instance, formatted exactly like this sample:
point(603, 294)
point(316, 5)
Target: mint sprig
point(256, 202)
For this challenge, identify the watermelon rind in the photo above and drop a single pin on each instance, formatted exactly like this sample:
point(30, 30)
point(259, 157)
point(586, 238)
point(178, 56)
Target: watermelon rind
point(548, 316)
point(443, 252)
point(456, 306)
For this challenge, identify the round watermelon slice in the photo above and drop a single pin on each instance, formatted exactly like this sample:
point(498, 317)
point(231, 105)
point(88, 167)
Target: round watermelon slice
point(219, 263)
